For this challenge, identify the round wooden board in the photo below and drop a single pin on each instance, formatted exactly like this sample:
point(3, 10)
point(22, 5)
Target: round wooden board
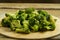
point(37, 35)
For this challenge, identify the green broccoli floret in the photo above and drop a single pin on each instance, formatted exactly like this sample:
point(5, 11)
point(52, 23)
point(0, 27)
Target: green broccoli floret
point(37, 22)
point(39, 17)
point(15, 24)
point(30, 16)
point(22, 16)
point(34, 24)
point(35, 28)
point(20, 12)
point(32, 21)
point(39, 11)
point(25, 28)
point(50, 19)
point(42, 12)
point(6, 22)
point(26, 24)
point(29, 10)
point(45, 22)
point(52, 26)
point(12, 16)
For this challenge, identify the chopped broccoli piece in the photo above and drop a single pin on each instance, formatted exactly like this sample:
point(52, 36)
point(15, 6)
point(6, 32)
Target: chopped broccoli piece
point(42, 12)
point(45, 23)
point(22, 16)
point(32, 22)
point(52, 26)
point(39, 17)
point(30, 16)
point(15, 24)
point(12, 16)
point(20, 12)
point(29, 10)
point(6, 22)
point(35, 28)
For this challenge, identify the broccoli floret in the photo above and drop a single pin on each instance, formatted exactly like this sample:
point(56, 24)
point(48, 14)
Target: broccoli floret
point(37, 22)
point(12, 16)
point(20, 12)
point(39, 11)
point(6, 22)
point(35, 28)
point(45, 22)
point(25, 28)
point(50, 19)
point(34, 24)
point(15, 24)
point(42, 28)
point(29, 16)
point(29, 10)
point(26, 24)
point(48, 24)
point(42, 12)
point(32, 21)
point(52, 26)
point(22, 16)
point(39, 17)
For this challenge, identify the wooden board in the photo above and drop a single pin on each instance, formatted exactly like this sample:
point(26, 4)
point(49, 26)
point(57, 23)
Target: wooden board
point(37, 35)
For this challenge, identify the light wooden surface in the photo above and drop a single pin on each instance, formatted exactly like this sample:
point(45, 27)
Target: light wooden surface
point(25, 5)
point(35, 5)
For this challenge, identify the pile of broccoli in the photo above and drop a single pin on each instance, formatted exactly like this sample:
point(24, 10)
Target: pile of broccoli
point(29, 20)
